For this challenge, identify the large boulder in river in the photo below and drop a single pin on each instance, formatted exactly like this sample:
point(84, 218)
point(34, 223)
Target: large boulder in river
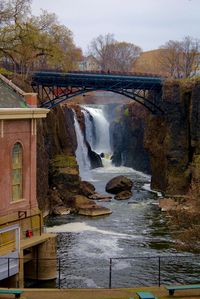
point(118, 184)
point(87, 207)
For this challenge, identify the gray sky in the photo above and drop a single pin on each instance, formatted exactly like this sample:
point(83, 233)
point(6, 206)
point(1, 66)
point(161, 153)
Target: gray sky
point(146, 23)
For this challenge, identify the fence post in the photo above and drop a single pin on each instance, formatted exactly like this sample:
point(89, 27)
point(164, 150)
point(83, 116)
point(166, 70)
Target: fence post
point(110, 274)
point(59, 274)
point(159, 271)
point(8, 267)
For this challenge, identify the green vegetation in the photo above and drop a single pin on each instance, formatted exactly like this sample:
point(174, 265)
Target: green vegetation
point(29, 43)
point(126, 112)
point(62, 161)
point(5, 72)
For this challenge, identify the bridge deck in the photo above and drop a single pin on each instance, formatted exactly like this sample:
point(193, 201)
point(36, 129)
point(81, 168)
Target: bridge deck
point(96, 80)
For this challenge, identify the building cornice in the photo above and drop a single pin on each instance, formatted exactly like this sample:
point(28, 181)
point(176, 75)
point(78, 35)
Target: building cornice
point(23, 113)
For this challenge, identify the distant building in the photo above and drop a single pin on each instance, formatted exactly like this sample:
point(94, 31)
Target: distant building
point(89, 63)
point(24, 248)
point(149, 62)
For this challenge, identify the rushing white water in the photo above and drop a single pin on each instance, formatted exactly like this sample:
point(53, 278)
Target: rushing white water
point(81, 152)
point(98, 136)
point(79, 227)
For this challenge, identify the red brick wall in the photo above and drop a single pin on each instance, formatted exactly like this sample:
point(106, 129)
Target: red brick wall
point(23, 131)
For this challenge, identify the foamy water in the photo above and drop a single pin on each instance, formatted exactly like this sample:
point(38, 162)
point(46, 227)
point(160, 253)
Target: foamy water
point(80, 227)
point(147, 187)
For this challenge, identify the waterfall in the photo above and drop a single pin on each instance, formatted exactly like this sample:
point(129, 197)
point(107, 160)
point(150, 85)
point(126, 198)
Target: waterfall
point(97, 129)
point(81, 152)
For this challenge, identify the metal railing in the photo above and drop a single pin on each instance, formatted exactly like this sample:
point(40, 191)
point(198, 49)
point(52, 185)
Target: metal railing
point(157, 270)
point(141, 270)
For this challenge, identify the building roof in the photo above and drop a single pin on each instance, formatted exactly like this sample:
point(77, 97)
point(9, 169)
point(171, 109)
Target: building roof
point(10, 95)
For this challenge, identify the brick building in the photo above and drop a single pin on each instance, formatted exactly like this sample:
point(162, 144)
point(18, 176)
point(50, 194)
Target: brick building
point(25, 251)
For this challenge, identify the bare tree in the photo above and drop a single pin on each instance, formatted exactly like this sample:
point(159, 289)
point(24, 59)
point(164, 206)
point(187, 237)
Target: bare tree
point(124, 55)
point(113, 55)
point(190, 56)
point(180, 59)
point(100, 48)
point(14, 11)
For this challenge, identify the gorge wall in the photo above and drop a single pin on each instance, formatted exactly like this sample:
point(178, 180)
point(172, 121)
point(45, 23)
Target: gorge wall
point(127, 137)
point(173, 140)
point(57, 170)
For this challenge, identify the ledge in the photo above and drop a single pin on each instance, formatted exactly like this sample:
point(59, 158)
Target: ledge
point(23, 113)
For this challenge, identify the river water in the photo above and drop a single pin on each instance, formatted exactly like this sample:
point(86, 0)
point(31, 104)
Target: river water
point(136, 232)
point(136, 228)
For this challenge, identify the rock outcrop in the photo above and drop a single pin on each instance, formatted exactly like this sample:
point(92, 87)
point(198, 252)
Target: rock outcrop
point(127, 135)
point(173, 139)
point(87, 207)
point(119, 184)
point(57, 168)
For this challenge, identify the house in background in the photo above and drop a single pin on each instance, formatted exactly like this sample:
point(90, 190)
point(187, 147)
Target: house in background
point(89, 63)
point(25, 251)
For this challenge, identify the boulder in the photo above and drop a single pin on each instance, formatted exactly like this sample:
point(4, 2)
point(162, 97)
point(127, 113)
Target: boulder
point(118, 184)
point(84, 206)
point(94, 210)
point(123, 195)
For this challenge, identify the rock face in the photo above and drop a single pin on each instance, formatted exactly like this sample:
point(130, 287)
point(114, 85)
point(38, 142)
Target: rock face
point(57, 168)
point(87, 188)
point(173, 140)
point(95, 159)
point(118, 184)
point(127, 135)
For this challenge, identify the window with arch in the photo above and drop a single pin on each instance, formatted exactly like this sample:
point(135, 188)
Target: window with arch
point(17, 171)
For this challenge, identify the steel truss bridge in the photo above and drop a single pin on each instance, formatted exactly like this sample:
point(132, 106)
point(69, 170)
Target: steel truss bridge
point(54, 88)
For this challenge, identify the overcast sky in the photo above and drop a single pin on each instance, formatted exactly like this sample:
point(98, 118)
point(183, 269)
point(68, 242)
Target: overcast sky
point(146, 23)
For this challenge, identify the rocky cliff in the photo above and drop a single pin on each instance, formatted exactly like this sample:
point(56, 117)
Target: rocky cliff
point(57, 169)
point(173, 139)
point(127, 136)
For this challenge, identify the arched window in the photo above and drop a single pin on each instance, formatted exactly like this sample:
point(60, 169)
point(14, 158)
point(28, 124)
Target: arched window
point(17, 172)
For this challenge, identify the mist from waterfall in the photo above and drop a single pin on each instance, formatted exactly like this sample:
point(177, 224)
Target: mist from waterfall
point(81, 152)
point(97, 129)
